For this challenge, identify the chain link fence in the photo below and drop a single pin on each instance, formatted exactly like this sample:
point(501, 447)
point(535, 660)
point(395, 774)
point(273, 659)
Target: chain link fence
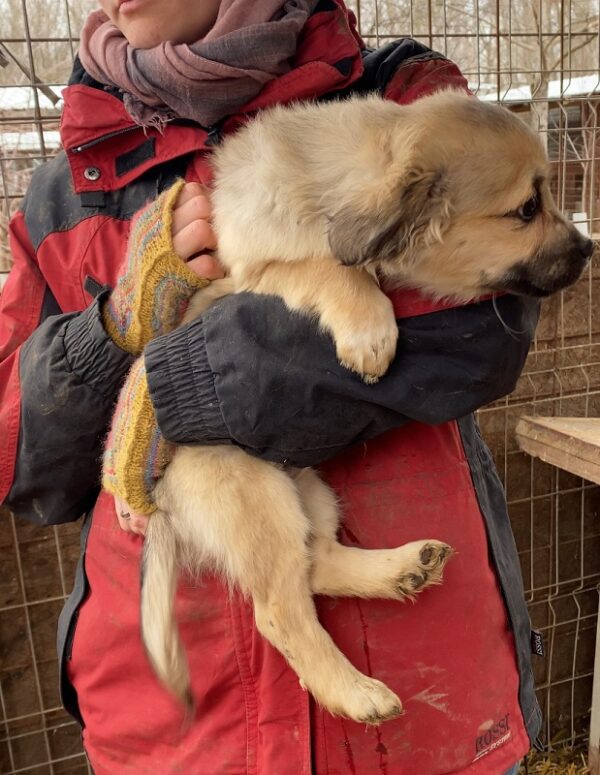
point(541, 58)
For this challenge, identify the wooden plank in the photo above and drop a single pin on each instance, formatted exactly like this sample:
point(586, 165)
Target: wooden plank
point(594, 744)
point(573, 444)
point(570, 443)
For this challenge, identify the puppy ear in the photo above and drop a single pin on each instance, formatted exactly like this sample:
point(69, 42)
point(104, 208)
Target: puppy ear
point(413, 211)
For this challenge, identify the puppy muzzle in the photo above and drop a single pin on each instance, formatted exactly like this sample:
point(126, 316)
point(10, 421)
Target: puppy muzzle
point(549, 271)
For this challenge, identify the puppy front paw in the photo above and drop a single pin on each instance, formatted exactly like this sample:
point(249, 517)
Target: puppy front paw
point(366, 343)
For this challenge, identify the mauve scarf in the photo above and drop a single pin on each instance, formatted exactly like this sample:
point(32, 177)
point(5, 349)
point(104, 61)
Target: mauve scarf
point(251, 42)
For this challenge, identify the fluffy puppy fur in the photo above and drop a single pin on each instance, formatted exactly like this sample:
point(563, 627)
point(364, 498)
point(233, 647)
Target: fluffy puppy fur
point(318, 203)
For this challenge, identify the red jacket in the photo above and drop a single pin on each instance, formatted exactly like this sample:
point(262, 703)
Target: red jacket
point(459, 658)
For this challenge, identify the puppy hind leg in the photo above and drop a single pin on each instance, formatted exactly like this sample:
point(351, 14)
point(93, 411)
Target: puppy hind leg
point(346, 571)
point(288, 620)
point(285, 614)
point(244, 516)
point(272, 563)
point(395, 574)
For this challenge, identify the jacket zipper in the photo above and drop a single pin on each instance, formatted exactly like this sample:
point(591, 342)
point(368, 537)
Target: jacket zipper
point(109, 136)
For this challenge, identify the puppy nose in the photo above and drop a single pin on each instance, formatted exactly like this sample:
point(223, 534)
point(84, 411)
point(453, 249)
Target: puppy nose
point(586, 247)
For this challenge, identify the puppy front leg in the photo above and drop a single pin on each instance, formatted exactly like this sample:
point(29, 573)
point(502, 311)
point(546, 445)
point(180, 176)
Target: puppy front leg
point(348, 302)
point(347, 571)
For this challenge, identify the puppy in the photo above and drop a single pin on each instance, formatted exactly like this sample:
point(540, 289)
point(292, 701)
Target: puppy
point(318, 203)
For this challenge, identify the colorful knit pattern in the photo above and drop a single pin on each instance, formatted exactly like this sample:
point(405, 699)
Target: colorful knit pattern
point(136, 454)
point(155, 284)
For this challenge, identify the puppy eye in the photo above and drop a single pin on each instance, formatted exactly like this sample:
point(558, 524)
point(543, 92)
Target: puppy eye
point(528, 210)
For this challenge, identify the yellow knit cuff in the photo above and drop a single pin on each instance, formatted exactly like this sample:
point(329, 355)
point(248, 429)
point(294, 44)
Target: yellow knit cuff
point(155, 284)
point(136, 453)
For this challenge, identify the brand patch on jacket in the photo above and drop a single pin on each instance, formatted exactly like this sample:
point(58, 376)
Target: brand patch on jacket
point(537, 643)
point(493, 735)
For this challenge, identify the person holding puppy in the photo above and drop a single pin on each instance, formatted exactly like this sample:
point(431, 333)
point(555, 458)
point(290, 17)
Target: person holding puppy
point(108, 248)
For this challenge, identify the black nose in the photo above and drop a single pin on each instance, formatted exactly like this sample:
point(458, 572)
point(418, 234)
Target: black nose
point(586, 247)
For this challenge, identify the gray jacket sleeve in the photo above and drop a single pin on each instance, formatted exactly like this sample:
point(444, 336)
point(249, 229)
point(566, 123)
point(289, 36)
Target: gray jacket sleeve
point(249, 372)
point(70, 374)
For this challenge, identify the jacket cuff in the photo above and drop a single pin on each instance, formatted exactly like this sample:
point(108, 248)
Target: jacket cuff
point(182, 388)
point(92, 355)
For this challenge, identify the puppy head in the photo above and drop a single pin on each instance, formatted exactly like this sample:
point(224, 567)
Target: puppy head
point(464, 207)
point(522, 246)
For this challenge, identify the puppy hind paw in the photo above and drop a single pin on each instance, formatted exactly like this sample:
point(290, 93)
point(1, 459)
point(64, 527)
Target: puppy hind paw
point(429, 567)
point(369, 702)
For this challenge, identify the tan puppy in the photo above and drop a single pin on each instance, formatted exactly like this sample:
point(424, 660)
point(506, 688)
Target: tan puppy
point(312, 203)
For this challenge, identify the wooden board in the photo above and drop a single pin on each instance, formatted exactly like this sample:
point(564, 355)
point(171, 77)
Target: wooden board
point(573, 444)
point(570, 443)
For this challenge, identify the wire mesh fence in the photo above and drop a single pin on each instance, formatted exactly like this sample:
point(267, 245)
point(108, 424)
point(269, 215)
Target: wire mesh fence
point(37, 44)
point(542, 59)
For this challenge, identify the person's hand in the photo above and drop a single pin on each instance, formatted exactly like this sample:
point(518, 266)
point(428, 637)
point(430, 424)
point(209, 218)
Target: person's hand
point(192, 231)
point(129, 520)
point(168, 259)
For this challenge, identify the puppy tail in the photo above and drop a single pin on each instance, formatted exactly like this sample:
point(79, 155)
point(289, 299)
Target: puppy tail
point(159, 627)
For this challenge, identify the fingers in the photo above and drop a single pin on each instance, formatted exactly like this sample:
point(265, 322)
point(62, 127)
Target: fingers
point(206, 266)
point(189, 191)
point(129, 520)
point(196, 205)
point(192, 230)
point(196, 236)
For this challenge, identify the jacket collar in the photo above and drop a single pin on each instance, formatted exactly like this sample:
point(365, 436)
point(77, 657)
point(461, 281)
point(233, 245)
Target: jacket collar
point(107, 150)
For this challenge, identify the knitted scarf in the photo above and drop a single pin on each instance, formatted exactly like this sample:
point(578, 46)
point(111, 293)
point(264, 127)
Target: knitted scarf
point(251, 42)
